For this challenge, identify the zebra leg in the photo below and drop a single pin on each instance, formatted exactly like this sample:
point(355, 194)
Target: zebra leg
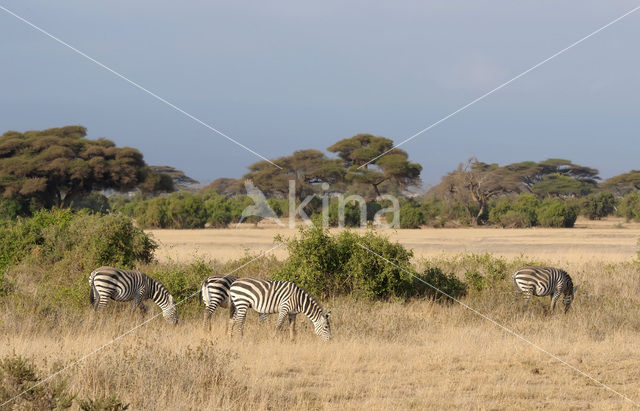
point(281, 316)
point(262, 317)
point(554, 300)
point(238, 318)
point(101, 302)
point(527, 297)
point(207, 318)
point(292, 326)
point(232, 311)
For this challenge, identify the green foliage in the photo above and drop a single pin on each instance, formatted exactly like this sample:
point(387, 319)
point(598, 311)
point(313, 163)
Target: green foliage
point(629, 207)
point(94, 202)
point(597, 206)
point(518, 212)
point(411, 214)
point(556, 213)
point(328, 265)
point(439, 282)
point(82, 239)
point(108, 403)
point(10, 209)
point(18, 374)
point(53, 167)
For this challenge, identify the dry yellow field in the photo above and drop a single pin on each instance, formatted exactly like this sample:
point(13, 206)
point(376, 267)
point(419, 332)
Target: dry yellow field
point(611, 240)
point(384, 355)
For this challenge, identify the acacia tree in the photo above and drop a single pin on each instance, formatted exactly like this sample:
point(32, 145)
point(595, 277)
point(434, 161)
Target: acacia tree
point(305, 167)
point(474, 183)
point(555, 176)
point(54, 166)
point(394, 167)
point(623, 183)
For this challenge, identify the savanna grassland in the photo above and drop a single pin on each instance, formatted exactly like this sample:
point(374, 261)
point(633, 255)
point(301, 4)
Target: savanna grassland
point(392, 354)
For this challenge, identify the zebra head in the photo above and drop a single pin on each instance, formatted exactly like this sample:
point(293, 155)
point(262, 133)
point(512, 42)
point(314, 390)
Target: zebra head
point(170, 313)
point(322, 326)
point(567, 299)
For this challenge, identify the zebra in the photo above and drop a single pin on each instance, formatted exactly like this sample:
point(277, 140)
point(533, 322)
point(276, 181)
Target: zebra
point(214, 292)
point(127, 285)
point(283, 297)
point(543, 281)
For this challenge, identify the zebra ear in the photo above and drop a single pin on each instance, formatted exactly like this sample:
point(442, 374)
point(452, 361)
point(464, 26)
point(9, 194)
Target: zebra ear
point(575, 289)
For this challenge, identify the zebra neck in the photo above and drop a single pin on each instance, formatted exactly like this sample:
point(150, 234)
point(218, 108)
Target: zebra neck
point(158, 294)
point(311, 308)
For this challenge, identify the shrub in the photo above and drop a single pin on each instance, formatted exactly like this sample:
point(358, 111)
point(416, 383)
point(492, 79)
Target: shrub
point(86, 240)
point(555, 213)
point(10, 209)
point(18, 374)
point(411, 214)
point(328, 265)
point(446, 283)
point(597, 206)
point(94, 201)
point(518, 212)
point(108, 403)
point(629, 207)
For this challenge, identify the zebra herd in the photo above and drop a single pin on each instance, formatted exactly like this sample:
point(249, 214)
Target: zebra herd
point(282, 297)
point(264, 296)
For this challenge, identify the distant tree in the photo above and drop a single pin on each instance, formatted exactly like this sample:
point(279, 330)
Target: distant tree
point(178, 177)
point(394, 167)
point(53, 167)
point(623, 183)
point(225, 186)
point(555, 174)
point(560, 185)
point(474, 183)
point(597, 206)
point(306, 167)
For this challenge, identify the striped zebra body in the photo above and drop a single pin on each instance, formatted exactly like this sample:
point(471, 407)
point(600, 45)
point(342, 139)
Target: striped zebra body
point(215, 292)
point(127, 285)
point(282, 297)
point(545, 281)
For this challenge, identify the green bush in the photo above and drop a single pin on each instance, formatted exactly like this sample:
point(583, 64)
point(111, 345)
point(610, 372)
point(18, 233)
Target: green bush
point(331, 265)
point(556, 213)
point(629, 207)
point(18, 374)
point(411, 214)
point(94, 201)
point(86, 240)
point(10, 209)
point(108, 403)
point(597, 206)
point(518, 212)
point(444, 283)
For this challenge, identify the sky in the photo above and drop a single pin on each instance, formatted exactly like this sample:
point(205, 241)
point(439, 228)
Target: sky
point(280, 76)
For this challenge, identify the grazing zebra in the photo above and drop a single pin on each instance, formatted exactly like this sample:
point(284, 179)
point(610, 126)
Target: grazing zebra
point(543, 281)
point(283, 297)
point(127, 285)
point(214, 292)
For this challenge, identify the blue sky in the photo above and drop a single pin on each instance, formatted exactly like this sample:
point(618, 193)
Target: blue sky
point(286, 75)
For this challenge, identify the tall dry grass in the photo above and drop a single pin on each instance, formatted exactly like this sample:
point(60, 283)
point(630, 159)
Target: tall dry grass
point(384, 355)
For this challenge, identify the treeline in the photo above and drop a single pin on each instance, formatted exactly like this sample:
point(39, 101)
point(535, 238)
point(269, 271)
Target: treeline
point(61, 168)
point(183, 210)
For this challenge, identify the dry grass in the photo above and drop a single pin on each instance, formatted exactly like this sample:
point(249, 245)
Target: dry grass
point(387, 355)
point(610, 240)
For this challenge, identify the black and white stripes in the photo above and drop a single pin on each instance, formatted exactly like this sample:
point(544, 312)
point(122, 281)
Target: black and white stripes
point(126, 285)
point(215, 292)
point(285, 298)
point(545, 281)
